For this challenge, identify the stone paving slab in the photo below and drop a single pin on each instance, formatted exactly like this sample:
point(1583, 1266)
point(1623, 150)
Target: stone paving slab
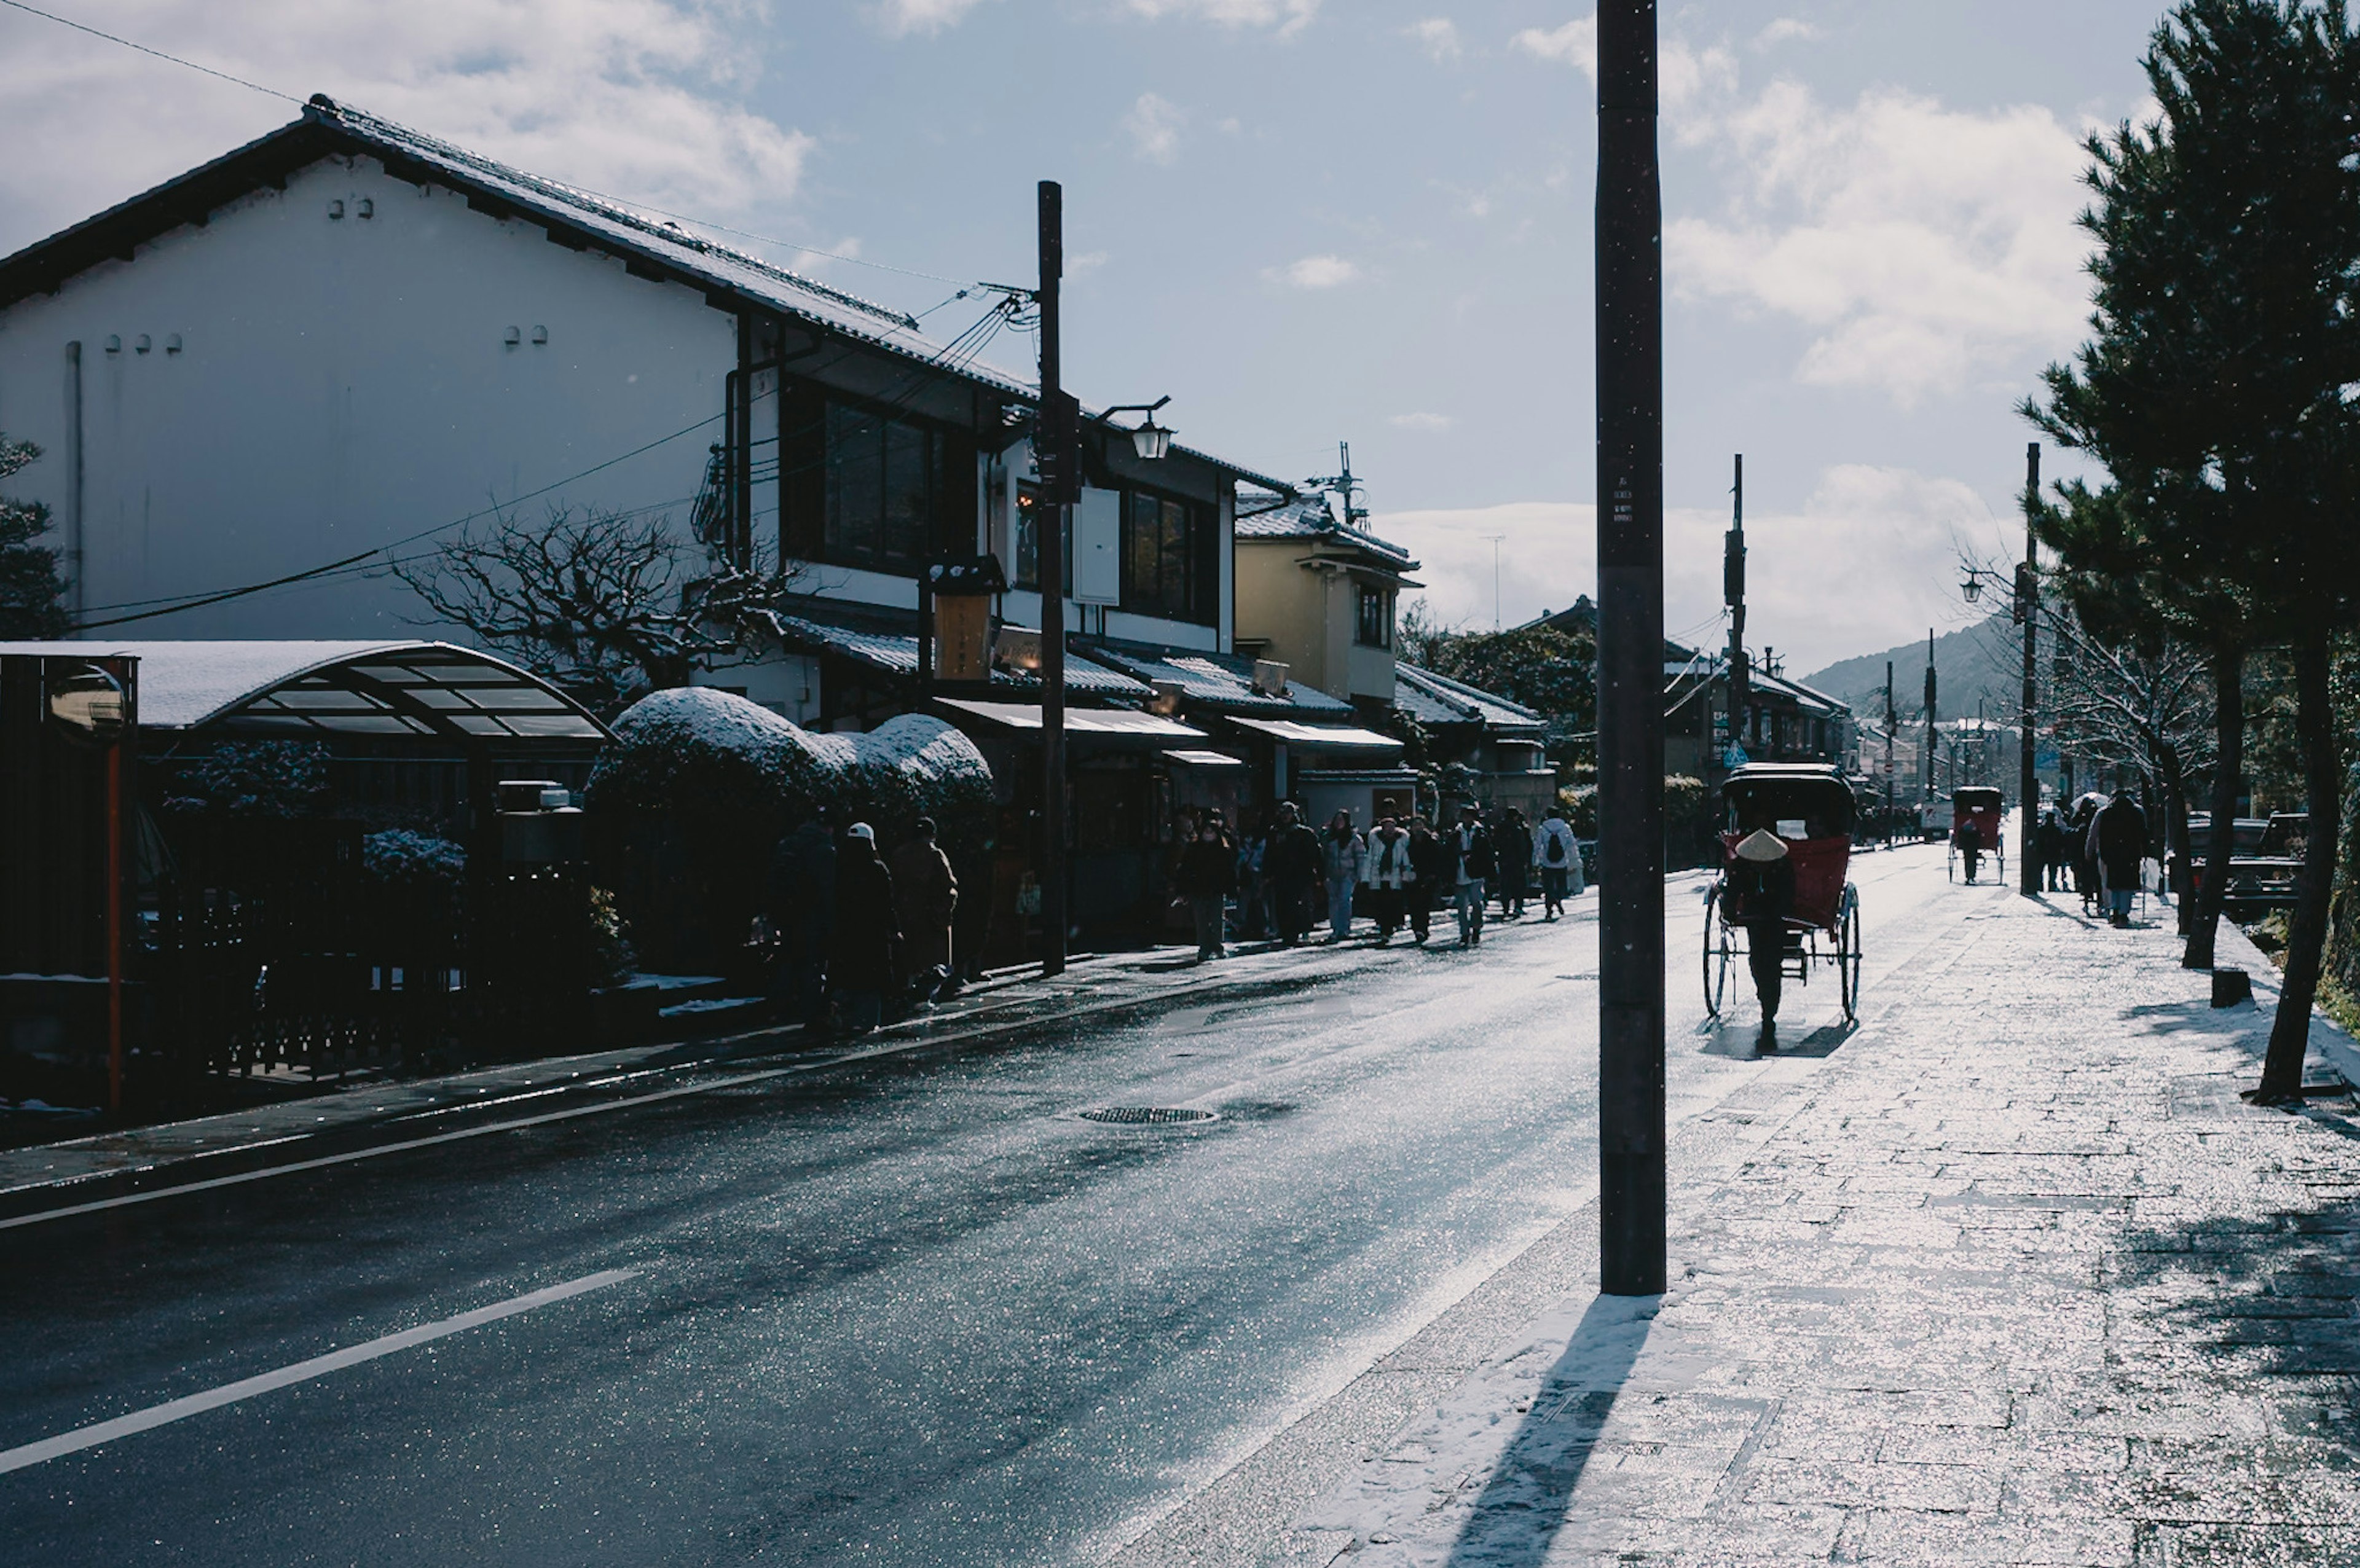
point(2012, 1277)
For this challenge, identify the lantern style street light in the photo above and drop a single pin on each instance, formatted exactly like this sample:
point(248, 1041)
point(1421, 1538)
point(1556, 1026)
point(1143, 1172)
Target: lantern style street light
point(1147, 438)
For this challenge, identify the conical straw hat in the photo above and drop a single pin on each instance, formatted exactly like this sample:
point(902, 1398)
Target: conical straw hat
point(1761, 845)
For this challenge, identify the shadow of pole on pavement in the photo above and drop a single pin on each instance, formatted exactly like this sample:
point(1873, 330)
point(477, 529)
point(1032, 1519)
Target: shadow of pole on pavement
point(1524, 1503)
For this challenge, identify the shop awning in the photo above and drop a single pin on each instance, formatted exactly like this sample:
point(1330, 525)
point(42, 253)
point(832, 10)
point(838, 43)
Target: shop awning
point(1334, 737)
point(1079, 721)
point(1205, 758)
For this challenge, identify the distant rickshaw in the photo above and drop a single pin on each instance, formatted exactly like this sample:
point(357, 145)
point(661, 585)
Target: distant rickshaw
point(1983, 808)
point(1811, 808)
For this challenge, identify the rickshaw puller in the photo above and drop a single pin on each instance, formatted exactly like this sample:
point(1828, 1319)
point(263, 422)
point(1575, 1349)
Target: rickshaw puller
point(1968, 840)
point(1761, 888)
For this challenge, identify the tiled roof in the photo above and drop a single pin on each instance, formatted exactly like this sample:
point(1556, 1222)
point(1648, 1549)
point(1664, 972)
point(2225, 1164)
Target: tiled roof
point(1217, 681)
point(1467, 704)
point(1309, 517)
point(897, 654)
point(577, 218)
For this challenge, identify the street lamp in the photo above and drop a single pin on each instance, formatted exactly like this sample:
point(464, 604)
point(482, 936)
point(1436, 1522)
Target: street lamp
point(1973, 588)
point(1147, 438)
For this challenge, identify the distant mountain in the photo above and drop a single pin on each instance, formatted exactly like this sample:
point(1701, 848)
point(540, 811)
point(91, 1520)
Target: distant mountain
point(1985, 662)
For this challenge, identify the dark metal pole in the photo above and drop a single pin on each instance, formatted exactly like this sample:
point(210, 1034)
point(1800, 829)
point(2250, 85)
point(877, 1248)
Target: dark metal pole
point(2027, 603)
point(1057, 458)
point(1927, 787)
point(1891, 723)
point(1630, 656)
point(1732, 594)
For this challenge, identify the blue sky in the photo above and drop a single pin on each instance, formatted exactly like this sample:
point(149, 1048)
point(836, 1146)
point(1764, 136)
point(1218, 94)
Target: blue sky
point(1307, 220)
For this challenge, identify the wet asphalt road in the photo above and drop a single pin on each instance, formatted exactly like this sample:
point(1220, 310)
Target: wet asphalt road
point(912, 1312)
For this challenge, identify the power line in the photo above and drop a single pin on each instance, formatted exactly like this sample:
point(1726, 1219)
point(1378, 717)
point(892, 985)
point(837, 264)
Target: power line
point(795, 245)
point(143, 49)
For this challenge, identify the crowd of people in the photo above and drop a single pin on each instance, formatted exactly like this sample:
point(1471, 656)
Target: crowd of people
point(2101, 846)
point(856, 929)
point(1282, 875)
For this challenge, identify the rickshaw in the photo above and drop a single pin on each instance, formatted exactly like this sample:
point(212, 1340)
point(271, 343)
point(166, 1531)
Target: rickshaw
point(1811, 806)
point(1982, 807)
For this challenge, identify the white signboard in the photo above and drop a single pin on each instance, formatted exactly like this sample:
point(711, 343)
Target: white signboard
point(1097, 548)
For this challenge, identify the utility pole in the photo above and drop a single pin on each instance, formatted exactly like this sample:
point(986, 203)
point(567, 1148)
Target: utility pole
point(1732, 594)
point(1495, 540)
point(1929, 785)
point(2028, 599)
point(1630, 345)
point(1891, 723)
point(1055, 453)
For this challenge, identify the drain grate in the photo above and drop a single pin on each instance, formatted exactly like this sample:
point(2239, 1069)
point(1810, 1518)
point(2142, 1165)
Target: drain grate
point(1146, 1115)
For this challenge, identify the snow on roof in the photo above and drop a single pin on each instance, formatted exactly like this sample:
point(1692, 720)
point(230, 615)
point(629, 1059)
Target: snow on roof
point(1308, 517)
point(897, 653)
point(1469, 703)
point(346, 687)
point(1341, 737)
point(1087, 721)
point(1216, 681)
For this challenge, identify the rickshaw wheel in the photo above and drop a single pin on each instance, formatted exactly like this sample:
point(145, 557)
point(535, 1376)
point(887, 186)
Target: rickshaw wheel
point(1950, 866)
point(1716, 954)
point(1848, 953)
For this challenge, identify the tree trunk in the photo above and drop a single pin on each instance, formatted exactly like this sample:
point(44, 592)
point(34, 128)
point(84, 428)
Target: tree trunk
point(2323, 777)
point(2175, 834)
point(2229, 745)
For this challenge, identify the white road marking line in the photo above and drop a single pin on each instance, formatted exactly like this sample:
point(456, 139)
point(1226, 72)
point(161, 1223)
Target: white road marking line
point(319, 1365)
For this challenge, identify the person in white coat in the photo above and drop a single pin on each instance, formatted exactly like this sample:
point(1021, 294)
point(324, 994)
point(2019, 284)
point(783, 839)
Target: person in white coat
point(1386, 873)
point(1557, 856)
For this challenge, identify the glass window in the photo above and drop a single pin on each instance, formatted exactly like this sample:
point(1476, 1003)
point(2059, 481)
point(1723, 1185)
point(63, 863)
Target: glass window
point(862, 489)
point(1376, 623)
point(1158, 557)
point(1028, 536)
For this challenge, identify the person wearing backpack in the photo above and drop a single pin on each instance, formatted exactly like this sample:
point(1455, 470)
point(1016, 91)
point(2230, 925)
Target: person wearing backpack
point(1557, 853)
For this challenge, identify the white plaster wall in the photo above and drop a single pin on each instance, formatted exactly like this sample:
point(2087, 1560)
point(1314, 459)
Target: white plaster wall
point(343, 384)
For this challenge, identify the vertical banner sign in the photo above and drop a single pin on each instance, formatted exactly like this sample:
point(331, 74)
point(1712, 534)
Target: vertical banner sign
point(1630, 656)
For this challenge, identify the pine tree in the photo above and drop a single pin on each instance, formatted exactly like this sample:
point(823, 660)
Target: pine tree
point(32, 595)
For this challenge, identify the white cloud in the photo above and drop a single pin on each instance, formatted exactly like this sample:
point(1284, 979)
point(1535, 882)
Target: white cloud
point(639, 98)
point(1785, 29)
point(1575, 44)
point(1880, 541)
point(1438, 35)
point(1425, 424)
point(903, 17)
point(1921, 245)
point(1155, 124)
point(1319, 272)
point(1684, 74)
point(1288, 17)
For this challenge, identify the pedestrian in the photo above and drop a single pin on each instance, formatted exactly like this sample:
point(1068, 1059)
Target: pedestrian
point(1431, 868)
point(1968, 840)
point(1386, 875)
point(2085, 853)
point(1511, 846)
point(802, 914)
point(1292, 863)
point(867, 932)
point(1207, 875)
point(2049, 838)
point(1759, 887)
point(1343, 855)
point(925, 898)
point(2118, 844)
point(1473, 865)
point(1253, 887)
point(1557, 856)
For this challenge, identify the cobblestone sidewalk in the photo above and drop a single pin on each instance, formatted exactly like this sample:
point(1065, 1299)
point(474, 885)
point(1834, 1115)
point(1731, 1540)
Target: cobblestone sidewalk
point(2014, 1276)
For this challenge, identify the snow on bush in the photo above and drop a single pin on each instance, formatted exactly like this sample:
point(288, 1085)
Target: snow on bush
point(702, 755)
point(398, 855)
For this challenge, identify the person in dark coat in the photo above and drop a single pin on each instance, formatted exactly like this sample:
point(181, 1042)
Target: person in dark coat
point(925, 898)
point(1511, 846)
point(1760, 888)
point(2048, 840)
point(2085, 855)
point(867, 929)
point(803, 913)
point(1968, 840)
point(2118, 843)
point(1430, 865)
point(1292, 863)
point(1206, 875)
